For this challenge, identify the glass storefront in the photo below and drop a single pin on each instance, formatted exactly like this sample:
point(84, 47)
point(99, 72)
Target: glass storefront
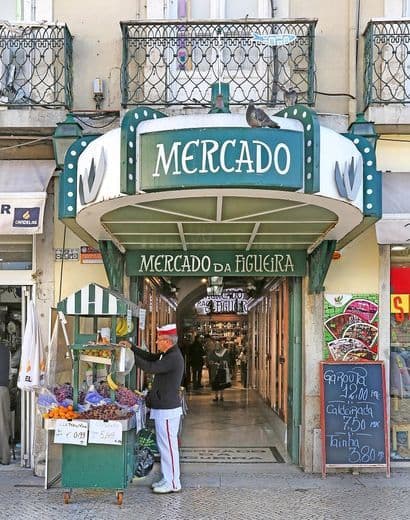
point(400, 353)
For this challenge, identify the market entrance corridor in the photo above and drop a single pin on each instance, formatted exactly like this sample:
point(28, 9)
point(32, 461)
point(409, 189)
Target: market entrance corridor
point(242, 420)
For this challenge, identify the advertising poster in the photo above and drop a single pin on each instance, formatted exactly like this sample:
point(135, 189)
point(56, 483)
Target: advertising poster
point(351, 327)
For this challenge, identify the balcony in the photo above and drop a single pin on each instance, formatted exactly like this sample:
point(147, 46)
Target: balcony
point(176, 63)
point(387, 72)
point(35, 66)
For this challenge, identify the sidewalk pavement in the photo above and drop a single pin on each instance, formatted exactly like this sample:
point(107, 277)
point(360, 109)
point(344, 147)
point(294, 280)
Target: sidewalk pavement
point(218, 492)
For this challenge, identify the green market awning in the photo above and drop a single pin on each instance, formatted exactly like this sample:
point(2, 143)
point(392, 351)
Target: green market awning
point(93, 300)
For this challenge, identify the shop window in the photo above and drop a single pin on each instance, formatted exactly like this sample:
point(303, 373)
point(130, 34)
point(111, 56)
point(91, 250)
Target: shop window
point(16, 253)
point(400, 359)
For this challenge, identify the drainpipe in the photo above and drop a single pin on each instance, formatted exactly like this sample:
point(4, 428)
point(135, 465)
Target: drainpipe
point(354, 36)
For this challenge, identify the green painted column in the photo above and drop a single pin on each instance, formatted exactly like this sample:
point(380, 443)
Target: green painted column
point(136, 288)
point(318, 263)
point(114, 263)
point(295, 369)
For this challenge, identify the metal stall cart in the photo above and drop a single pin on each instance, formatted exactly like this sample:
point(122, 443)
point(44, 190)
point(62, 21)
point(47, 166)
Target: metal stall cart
point(98, 453)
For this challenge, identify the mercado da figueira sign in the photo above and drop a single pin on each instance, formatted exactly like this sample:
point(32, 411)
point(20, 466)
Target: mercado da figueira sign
point(228, 263)
point(213, 157)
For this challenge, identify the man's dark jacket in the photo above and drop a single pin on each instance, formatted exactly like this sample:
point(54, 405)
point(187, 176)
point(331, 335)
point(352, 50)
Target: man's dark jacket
point(168, 369)
point(196, 354)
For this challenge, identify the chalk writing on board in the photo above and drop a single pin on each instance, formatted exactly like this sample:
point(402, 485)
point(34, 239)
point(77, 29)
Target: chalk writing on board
point(353, 410)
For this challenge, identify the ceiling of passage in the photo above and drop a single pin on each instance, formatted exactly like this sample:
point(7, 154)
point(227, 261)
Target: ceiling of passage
point(219, 221)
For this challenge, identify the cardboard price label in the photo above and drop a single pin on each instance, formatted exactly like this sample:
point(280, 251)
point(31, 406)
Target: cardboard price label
point(105, 432)
point(71, 432)
point(142, 315)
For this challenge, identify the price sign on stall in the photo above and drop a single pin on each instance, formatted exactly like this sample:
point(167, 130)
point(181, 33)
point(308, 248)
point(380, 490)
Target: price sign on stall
point(105, 432)
point(71, 432)
point(142, 315)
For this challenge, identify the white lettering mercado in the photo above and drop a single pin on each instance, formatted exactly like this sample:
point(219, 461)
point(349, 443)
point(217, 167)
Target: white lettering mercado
point(232, 156)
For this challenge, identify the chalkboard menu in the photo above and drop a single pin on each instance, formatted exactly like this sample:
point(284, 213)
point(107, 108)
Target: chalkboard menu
point(353, 418)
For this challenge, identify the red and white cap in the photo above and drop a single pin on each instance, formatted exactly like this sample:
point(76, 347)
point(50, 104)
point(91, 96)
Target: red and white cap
point(167, 330)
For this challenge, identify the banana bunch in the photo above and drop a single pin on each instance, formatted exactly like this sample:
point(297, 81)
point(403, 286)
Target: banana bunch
point(122, 327)
point(111, 383)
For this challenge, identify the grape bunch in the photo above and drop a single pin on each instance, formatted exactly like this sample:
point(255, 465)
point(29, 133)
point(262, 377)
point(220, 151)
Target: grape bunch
point(103, 389)
point(63, 392)
point(125, 396)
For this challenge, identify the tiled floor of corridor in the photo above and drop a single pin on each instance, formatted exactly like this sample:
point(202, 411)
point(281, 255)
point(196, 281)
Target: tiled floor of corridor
point(241, 420)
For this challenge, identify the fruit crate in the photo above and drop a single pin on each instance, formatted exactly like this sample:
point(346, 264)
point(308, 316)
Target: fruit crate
point(95, 307)
point(99, 466)
point(127, 424)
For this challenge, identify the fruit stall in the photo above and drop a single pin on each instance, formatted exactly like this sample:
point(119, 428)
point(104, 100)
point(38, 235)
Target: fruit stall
point(95, 418)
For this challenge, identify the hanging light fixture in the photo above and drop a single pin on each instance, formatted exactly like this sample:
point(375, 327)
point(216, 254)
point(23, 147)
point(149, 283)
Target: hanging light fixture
point(364, 128)
point(64, 136)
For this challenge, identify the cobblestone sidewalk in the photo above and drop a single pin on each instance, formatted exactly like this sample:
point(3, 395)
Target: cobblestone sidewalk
point(218, 493)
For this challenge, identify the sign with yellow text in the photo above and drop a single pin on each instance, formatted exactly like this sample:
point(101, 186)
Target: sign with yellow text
point(400, 305)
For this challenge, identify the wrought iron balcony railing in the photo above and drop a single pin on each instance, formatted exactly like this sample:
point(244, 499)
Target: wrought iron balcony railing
point(175, 63)
point(35, 65)
point(387, 62)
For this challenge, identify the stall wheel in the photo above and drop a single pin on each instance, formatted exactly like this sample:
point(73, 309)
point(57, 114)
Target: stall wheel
point(66, 497)
point(120, 496)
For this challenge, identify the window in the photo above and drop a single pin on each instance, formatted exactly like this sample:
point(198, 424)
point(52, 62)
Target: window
point(400, 354)
point(16, 252)
point(212, 9)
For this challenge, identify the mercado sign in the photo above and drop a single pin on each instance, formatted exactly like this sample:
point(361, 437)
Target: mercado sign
point(215, 157)
point(227, 263)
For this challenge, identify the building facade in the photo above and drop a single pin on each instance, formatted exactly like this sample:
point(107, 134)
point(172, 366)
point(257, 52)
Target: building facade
point(152, 74)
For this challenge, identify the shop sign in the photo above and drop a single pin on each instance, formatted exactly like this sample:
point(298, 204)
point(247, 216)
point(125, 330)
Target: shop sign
point(215, 157)
point(89, 255)
point(225, 263)
point(232, 301)
point(21, 215)
point(400, 306)
point(66, 254)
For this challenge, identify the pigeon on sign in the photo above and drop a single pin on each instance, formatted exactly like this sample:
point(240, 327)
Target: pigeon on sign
point(257, 118)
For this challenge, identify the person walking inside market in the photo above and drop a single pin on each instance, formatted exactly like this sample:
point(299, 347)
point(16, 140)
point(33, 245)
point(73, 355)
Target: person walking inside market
point(4, 404)
point(219, 364)
point(168, 369)
point(196, 356)
point(209, 347)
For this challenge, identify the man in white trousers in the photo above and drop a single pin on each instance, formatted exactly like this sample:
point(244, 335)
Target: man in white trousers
point(165, 402)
